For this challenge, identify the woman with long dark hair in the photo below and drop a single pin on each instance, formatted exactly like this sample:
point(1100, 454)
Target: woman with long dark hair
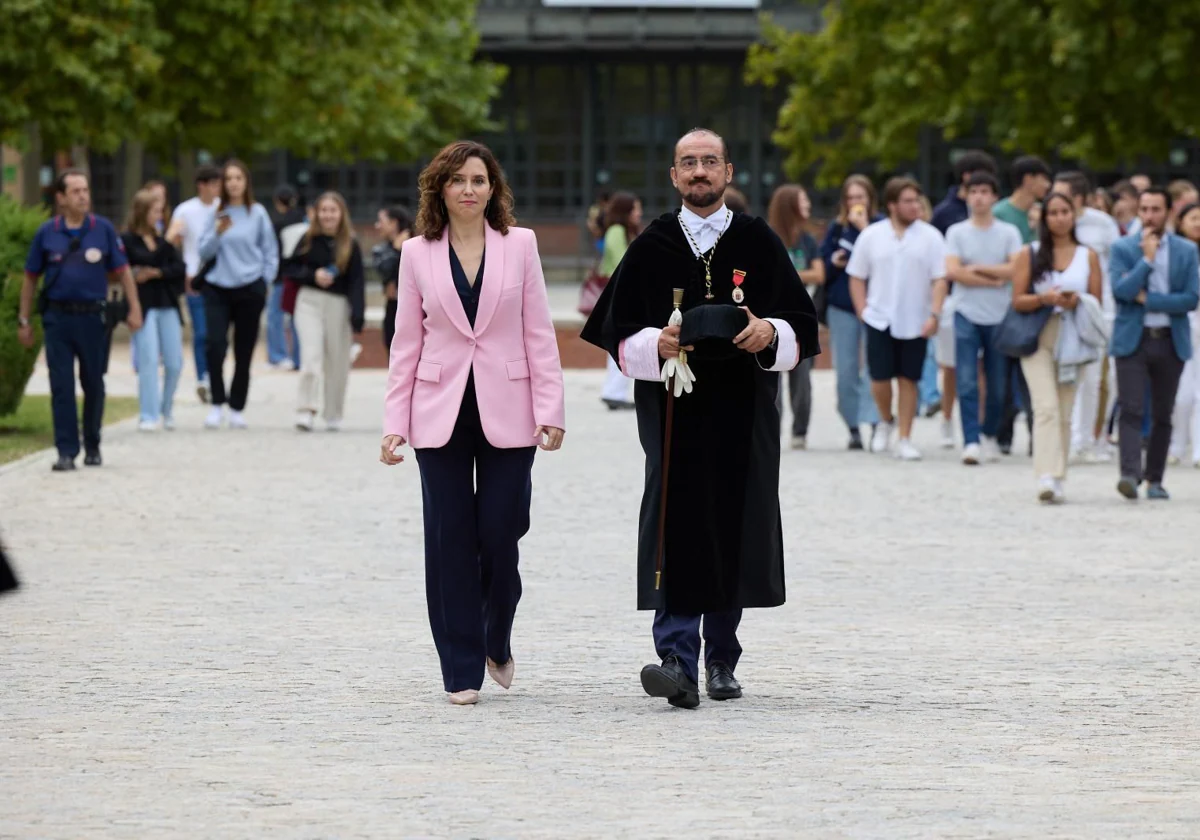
point(1185, 425)
point(242, 240)
point(1056, 271)
point(159, 273)
point(788, 215)
point(328, 266)
point(857, 208)
point(475, 386)
point(623, 217)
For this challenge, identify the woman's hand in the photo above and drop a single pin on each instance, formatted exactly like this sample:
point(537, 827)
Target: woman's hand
point(324, 278)
point(550, 437)
point(1068, 300)
point(1052, 297)
point(145, 273)
point(388, 454)
point(840, 258)
point(858, 216)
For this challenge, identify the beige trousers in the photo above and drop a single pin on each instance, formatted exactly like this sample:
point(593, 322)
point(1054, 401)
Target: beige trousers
point(322, 322)
point(1052, 405)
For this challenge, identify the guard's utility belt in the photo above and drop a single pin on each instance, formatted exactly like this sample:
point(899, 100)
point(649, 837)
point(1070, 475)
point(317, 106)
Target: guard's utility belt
point(75, 307)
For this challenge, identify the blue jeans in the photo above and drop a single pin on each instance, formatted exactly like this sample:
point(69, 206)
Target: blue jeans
point(846, 338)
point(70, 336)
point(969, 340)
point(929, 376)
point(161, 336)
point(279, 326)
point(195, 305)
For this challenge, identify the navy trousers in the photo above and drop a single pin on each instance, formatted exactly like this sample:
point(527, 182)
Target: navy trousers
point(70, 336)
point(679, 635)
point(476, 508)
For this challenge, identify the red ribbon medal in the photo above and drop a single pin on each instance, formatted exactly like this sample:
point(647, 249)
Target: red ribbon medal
point(738, 277)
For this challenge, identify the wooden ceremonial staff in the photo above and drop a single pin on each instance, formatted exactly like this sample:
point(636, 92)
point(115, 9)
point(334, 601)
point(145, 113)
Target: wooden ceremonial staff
point(677, 296)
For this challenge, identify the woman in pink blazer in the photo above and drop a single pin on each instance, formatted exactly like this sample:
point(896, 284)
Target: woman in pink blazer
point(474, 386)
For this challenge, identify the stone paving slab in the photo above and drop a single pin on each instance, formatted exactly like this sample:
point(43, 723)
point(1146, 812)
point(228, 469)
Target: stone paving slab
point(224, 635)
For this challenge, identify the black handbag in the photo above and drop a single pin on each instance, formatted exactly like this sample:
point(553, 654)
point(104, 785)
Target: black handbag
point(1018, 334)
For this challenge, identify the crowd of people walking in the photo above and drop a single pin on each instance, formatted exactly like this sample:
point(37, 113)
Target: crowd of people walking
point(929, 298)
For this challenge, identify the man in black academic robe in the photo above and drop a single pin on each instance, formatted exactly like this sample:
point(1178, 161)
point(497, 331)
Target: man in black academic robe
point(721, 541)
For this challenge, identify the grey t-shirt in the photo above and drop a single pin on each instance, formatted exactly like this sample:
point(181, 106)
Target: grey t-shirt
point(973, 245)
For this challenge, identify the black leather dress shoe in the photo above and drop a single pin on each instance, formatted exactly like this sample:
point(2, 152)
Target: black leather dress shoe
point(669, 680)
point(721, 684)
point(63, 464)
point(93, 459)
point(619, 405)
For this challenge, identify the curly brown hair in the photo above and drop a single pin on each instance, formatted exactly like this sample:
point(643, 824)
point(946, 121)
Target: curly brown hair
point(432, 216)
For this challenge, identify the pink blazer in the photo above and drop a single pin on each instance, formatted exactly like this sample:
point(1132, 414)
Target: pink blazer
point(512, 349)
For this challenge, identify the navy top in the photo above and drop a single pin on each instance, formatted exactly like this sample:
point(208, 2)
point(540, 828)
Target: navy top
point(950, 211)
point(468, 294)
point(76, 261)
point(839, 237)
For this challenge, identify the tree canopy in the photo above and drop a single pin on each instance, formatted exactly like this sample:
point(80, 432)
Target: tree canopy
point(334, 80)
point(1095, 80)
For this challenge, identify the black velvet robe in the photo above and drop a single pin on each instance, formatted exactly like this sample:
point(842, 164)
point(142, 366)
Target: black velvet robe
point(723, 537)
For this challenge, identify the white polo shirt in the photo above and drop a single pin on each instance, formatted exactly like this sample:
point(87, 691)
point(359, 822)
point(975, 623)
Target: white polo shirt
point(900, 272)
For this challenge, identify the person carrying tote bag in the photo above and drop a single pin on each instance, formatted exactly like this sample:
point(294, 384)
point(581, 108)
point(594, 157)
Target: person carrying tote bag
point(1050, 279)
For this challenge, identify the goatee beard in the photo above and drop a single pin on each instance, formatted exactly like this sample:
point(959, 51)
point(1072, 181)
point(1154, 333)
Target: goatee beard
point(705, 199)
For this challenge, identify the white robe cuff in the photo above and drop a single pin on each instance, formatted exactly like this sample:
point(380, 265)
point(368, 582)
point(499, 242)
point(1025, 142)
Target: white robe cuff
point(639, 355)
point(787, 351)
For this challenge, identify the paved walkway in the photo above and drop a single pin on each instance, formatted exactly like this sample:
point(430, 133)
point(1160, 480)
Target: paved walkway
point(224, 635)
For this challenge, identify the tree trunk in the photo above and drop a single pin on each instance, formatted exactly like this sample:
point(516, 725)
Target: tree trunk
point(133, 154)
point(187, 173)
point(31, 165)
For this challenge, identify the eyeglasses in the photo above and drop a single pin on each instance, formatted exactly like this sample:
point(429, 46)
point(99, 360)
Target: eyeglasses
point(687, 164)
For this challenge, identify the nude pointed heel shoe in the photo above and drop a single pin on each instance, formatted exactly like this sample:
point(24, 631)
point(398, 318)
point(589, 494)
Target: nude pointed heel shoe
point(502, 675)
point(468, 697)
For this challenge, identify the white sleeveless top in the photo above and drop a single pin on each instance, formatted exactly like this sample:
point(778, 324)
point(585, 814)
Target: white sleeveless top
point(1073, 278)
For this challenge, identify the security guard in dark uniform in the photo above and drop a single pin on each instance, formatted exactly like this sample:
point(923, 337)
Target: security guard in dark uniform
point(78, 252)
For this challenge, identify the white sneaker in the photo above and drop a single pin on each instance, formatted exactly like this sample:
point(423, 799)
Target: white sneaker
point(881, 441)
point(1173, 460)
point(333, 425)
point(948, 435)
point(237, 420)
point(202, 390)
point(972, 454)
point(1060, 493)
point(147, 426)
point(216, 415)
point(169, 424)
point(799, 442)
point(905, 451)
point(989, 449)
point(355, 352)
point(304, 421)
point(284, 365)
point(1047, 487)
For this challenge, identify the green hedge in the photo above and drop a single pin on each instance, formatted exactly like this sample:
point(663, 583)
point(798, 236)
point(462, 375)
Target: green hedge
point(17, 227)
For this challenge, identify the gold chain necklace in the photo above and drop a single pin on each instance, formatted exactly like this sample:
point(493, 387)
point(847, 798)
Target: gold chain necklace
point(708, 295)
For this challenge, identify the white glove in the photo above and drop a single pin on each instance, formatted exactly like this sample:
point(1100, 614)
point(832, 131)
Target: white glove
point(682, 375)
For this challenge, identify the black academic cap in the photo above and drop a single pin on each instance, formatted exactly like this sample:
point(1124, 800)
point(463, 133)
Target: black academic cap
point(710, 329)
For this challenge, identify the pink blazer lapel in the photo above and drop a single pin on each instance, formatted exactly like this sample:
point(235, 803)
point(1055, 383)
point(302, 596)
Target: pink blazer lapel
point(443, 281)
point(493, 277)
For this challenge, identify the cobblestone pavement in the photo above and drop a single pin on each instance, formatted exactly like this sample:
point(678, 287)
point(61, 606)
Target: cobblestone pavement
point(223, 635)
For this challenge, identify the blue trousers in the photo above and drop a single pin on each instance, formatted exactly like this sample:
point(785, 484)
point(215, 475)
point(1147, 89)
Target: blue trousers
point(970, 340)
point(476, 509)
point(279, 327)
point(679, 635)
point(68, 337)
point(160, 338)
point(847, 335)
point(928, 386)
point(195, 305)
